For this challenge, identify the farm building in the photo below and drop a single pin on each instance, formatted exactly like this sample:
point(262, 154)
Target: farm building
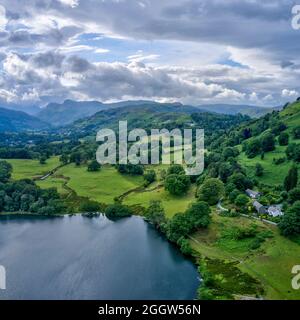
point(259, 207)
point(275, 211)
point(253, 194)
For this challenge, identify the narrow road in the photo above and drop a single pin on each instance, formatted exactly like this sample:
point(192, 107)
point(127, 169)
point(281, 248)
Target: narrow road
point(220, 208)
point(50, 173)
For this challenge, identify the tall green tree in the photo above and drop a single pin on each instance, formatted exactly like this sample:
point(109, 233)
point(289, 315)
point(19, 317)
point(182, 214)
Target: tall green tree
point(291, 180)
point(94, 166)
point(156, 213)
point(5, 171)
point(199, 214)
point(211, 191)
point(259, 170)
point(176, 169)
point(296, 132)
point(283, 139)
point(177, 184)
point(268, 142)
point(290, 222)
point(43, 159)
point(149, 177)
point(64, 159)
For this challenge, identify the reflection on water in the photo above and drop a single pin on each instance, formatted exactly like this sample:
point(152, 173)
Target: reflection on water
point(83, 258)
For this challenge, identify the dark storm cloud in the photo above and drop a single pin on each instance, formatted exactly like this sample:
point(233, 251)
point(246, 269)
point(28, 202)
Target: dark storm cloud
point(78, 65)
point(48, 59)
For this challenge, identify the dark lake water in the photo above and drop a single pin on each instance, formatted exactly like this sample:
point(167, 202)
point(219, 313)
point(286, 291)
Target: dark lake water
point(82, 258)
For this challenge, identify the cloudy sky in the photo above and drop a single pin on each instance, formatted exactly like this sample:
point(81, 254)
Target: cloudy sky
point(192, 51)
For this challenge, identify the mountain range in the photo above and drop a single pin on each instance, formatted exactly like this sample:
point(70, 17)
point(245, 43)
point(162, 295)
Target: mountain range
point(251, 111)
point(69, 111)
point(63, 114)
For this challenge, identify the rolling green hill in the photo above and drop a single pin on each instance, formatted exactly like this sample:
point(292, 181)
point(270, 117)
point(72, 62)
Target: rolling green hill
point(68, 112)
point(18, 121)
point(275, 174)
point(62, 114)
point(153, 116)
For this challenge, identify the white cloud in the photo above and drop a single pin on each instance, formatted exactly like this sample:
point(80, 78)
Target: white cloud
point(8, 96)
point(71, 3)
point(253, 97)
point(289, 93)
point(3, 19)
point(76, 48)
point(268, 98)
point(101, 50)
point(140, 57)
point(32, 95)
point(230, 95)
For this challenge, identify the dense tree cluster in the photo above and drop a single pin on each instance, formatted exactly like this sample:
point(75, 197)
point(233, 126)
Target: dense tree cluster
point(16, 153)
point(94, 166)
point(89, 206)
point(177, 182)
point(293, 152)
point(256, 146)
point(5, 171)
point(183, 224)
point(117, 210)
point(24, 196)
point(131, 169)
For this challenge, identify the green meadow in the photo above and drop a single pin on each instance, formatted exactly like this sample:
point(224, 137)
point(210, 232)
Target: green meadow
point(102, 186)
point(171, 204)
point(30, 169)
point(271, 264)
point(273, 174)
point(53, 182)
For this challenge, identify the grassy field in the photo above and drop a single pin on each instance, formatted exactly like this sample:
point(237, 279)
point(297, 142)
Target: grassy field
point(29, 169)
point(271, 264)
point(270, 168)
point(292, 109)
point(171, 204)
point(53, 182)
point(102, 186)
point(275, 174)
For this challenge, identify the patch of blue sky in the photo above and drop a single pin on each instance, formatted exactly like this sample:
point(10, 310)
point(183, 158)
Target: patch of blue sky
point(118, 49)
point(232, 63)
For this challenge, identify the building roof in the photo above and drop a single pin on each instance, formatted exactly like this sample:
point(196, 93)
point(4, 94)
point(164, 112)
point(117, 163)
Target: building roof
point(252, 192)
point(275, 210)
point(257, 205)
